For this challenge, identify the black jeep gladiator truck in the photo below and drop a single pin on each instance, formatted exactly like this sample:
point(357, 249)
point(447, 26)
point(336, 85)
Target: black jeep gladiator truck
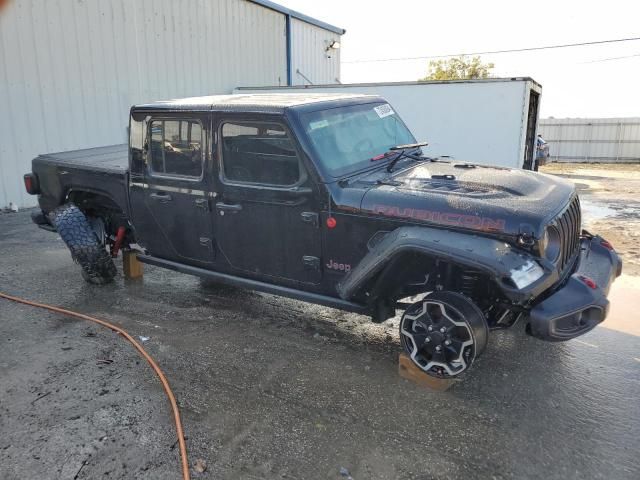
point(329, 199)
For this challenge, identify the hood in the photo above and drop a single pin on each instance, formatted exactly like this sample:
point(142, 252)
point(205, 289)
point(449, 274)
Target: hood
point(475, 197)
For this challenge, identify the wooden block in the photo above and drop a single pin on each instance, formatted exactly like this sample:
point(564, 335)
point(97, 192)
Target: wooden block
point(409, 370)
point(131, 267)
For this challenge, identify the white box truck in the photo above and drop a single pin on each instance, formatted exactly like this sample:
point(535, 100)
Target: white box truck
point(489, 121)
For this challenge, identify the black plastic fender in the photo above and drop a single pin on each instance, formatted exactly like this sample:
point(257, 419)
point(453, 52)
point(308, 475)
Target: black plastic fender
point(495, 257)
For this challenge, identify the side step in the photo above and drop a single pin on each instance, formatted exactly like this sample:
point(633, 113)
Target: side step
point(257, 285)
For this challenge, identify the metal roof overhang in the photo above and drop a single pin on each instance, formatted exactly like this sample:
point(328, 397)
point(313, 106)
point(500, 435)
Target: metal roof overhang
point(300, 16)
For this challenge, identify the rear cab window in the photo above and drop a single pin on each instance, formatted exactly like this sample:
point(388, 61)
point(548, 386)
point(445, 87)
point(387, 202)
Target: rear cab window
point(175, 147)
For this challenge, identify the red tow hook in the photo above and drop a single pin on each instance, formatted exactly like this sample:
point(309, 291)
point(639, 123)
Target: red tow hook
point(118, 243)
point(606, 245)
point(589, 282)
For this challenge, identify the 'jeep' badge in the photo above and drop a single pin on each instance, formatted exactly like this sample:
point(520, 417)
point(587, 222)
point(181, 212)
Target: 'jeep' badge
point(340, 267)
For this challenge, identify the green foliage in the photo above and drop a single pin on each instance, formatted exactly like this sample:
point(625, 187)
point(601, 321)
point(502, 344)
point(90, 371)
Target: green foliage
point(458, 68)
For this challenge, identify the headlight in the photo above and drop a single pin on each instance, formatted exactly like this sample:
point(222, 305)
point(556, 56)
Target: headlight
point(550, 244)
point(526, 274)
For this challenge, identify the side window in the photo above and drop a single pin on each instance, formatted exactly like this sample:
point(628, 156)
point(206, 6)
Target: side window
point(259, 153)
point(176, 147)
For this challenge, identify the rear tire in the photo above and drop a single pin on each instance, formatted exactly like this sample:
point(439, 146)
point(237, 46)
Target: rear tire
point(86, 250)
point(443, 333)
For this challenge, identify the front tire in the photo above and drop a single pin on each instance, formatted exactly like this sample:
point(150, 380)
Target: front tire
point(443, 333)
point(86, 250)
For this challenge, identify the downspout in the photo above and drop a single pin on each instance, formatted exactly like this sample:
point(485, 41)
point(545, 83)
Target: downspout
point(289, 59)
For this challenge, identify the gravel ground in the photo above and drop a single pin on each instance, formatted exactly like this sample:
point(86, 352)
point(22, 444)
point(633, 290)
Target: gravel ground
point(274, 388)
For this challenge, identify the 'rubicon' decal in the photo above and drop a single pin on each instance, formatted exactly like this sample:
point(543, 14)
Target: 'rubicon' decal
point(444, 218)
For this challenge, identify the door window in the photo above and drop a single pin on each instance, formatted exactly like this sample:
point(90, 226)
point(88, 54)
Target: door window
point(176, 147)
point(259, 153)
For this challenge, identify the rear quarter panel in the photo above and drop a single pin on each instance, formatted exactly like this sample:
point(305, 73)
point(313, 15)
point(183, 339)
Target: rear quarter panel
point(57, 181)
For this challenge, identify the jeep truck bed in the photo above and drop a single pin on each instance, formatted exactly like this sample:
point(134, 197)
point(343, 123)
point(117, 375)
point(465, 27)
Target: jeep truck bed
point(101, 170)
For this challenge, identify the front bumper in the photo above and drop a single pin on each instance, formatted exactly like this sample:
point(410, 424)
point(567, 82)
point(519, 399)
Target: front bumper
point(581, 303)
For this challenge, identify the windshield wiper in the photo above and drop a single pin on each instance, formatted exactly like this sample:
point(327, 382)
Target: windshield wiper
point(403, 153)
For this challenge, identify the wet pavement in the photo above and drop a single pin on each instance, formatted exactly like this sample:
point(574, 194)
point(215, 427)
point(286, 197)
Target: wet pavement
point(274, 388)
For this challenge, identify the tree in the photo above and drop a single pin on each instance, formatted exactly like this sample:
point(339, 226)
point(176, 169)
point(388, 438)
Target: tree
point(458, 68)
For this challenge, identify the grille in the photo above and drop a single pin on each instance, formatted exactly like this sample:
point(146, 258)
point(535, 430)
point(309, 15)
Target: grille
point(569, 226)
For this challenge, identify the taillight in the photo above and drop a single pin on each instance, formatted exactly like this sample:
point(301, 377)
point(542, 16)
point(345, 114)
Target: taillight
point(31, 184)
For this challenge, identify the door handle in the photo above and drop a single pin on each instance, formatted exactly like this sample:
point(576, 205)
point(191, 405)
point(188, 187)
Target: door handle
point(310, 217)
point(234, 208)
point(202, 203)
point(161, 196)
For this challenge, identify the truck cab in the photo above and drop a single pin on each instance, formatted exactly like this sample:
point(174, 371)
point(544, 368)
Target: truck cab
point(237, 189)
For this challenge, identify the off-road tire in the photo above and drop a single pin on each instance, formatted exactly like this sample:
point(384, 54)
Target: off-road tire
point(86, 250)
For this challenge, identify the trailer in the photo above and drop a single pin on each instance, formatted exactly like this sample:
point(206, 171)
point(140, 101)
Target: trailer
point(488, 121)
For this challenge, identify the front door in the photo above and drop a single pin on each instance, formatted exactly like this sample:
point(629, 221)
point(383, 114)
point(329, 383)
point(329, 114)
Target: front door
point(266, 208)
point(176, 197)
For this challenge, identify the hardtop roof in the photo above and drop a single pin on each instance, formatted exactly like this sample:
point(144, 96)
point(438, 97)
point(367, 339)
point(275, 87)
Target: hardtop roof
point(267, 102)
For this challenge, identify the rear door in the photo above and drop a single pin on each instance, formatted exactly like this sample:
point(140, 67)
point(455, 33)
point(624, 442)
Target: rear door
point(266, 207)
point(176, 212)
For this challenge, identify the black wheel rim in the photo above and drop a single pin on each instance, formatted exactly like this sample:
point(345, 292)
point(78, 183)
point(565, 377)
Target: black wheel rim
point(437, 338)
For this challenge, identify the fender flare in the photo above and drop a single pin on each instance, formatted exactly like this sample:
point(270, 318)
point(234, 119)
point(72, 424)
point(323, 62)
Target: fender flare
point(93, 191)
point(496, 258)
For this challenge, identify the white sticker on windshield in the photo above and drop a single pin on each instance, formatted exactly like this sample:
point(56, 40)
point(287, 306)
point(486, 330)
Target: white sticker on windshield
point(319, 124)
point(384, 110)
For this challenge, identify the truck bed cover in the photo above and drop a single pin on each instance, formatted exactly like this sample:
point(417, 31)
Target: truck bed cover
point(111, 159)
point(101, 170)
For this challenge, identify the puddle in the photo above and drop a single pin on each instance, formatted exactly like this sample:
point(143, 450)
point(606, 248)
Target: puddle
point(595, 211)
point(623, 315)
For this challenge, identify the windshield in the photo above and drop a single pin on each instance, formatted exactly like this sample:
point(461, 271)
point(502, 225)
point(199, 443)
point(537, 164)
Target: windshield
point(345, 139)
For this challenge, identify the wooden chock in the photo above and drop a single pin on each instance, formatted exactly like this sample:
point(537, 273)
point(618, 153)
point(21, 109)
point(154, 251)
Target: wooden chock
point(409, 370)
point(131, 266)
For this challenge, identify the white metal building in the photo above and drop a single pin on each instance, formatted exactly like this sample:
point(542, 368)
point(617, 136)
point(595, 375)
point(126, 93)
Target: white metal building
point(592, 140)
point(71, 69)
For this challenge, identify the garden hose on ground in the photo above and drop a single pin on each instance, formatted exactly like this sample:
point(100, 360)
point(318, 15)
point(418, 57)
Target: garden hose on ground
point(147, 357)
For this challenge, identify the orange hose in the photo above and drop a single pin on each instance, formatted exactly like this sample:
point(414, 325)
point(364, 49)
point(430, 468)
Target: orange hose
point(147, 357)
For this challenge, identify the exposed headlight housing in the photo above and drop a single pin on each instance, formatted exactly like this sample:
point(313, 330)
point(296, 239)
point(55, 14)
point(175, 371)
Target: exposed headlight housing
point(526, 274)
point(550, 244)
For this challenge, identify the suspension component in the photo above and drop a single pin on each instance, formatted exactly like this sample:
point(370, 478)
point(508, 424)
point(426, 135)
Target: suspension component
point(115, 248)
point(468, 282)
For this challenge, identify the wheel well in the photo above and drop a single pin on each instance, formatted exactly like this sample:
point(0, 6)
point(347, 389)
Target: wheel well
point(410, 274)
point(98, 205)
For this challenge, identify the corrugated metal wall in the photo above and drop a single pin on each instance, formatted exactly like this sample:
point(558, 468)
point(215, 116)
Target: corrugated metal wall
point(310, 57)
point(71, 69)
point(606, 140)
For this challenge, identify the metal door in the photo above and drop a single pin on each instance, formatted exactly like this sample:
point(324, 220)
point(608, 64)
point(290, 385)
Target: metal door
point(178, 224)
point(266, 227)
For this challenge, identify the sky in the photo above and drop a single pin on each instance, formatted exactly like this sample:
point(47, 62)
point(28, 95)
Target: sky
point(577, 82)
